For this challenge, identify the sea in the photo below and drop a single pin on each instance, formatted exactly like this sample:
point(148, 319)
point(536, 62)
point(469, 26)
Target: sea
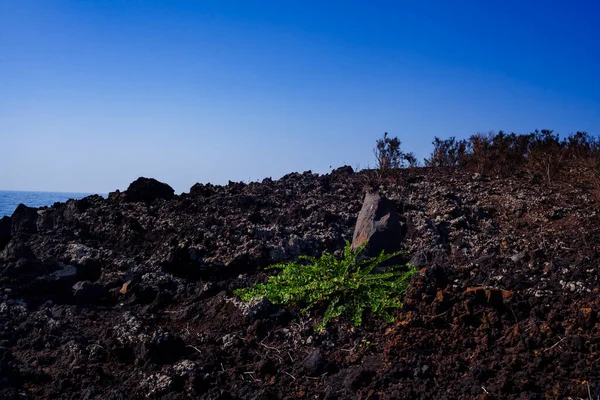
point(9, 200)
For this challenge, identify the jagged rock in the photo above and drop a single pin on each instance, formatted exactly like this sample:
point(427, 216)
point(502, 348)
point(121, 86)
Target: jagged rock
point(116, 195)
point(419, 259)
point(46, 220)
point(345, 170)
point(25, 269)
point(202, 190)
point(88, 292)
point(378, 226)
point(16, 250)
point(67, 272)
point(148, 189)
point(24, 220)
point(5, 231)
point(427, 257)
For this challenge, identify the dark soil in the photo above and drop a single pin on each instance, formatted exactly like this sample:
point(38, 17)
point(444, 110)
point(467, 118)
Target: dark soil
point(117, 298)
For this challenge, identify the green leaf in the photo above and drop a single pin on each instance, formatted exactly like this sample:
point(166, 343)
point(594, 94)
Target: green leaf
point(343, 286)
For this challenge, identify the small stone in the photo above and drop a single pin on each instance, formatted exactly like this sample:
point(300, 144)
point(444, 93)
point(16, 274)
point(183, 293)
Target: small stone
point(125, 287)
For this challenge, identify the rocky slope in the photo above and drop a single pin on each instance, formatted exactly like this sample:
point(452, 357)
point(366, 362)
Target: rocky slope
point(131, 296)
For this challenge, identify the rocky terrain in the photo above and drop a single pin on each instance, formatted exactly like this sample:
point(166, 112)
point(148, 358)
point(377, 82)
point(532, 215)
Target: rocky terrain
point(130, 297)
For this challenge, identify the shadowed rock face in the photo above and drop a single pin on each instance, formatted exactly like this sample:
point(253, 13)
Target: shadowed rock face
point(23, 220)
point(5, 228)
point(148, 189)
point(378, 226)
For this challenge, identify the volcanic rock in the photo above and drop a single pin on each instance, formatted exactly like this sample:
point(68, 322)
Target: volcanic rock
point(5, 231)
point(148, 189)
point(314, 363)
point(24, 220)
point(378, 226)
point(202, 190)
point(504, 295)
point(88, 292)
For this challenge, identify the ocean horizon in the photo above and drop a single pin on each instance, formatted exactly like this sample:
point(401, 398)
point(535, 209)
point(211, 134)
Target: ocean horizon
point(10, 199)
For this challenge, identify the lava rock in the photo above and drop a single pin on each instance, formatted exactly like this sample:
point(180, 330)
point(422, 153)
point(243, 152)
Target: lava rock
point(419, 259)
point(166, 348)
point(202, 190)
point(344, 170)
point(148, 189)
point(16, 250)
point(25, 269)
point(66, 273)
point(5, 231)
point(23, 220)
point(378, 226)
point(88, 292)
point(314, 363)
point(116, 195)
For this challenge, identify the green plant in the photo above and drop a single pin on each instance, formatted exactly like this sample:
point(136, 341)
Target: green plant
point(346, 286)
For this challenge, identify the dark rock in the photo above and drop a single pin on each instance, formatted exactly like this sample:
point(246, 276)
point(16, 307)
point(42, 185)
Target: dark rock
point(24, 220)
point(516, 258)
point(12, 394)
point(145, 294)
point(314, 363)
point(91, 393)
point(116, 195)
point(5, 231)
point(26, 268)
point(16, 250)
point(202, 190)
point(378, 226)
point(66, 273)
point(345, 170)
point(427, 257)
point(419, 259)
point(88, 292)
point(166, 348)
point(148, 189)
point(423, 371)
point(266, 366)
point(482, 373)
point(47, 220)
point(55, 286)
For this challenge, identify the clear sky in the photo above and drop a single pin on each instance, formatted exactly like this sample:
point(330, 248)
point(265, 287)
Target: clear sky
point(94, 93)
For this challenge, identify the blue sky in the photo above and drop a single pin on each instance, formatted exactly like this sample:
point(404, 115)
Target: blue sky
point(94, 93)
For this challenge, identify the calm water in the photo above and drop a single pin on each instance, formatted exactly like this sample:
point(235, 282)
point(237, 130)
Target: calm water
point(9, 200)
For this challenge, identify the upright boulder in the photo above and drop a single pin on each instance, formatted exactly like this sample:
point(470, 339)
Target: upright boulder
point(148, 189)
point(378, 226)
